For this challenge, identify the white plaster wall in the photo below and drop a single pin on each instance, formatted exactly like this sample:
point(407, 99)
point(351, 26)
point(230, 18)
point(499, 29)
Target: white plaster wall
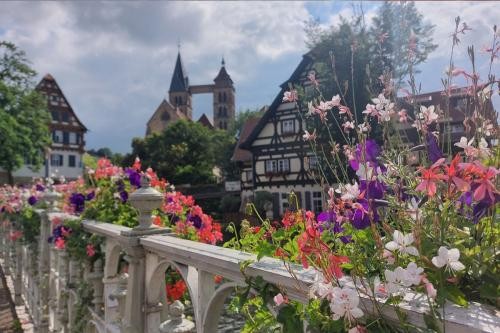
point(65, 170)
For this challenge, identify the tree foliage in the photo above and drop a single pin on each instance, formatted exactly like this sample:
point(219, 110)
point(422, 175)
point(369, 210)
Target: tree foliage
point(184, 153)
point(24, 119)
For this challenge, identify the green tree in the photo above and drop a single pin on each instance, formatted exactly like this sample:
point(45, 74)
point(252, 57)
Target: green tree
point(24, 118)
point(185, 152)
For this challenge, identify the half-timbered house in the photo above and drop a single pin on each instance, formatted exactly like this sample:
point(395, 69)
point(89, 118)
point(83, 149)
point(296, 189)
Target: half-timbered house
point(68, 142)
point(282, 161)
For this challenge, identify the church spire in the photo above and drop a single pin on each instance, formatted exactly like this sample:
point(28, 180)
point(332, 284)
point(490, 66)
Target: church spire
point(179, 78)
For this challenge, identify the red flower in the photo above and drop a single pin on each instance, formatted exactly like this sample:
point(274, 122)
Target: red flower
point(60, 243)
point(218, 279)
point(429, 178)
point(334, 268)
point(176, 291)
point(15, 235)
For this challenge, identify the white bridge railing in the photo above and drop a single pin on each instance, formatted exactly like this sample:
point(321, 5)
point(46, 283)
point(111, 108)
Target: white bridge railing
point(46, 280)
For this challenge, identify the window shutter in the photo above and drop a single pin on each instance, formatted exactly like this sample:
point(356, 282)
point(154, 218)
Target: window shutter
point(276, 205)
point(308, 200)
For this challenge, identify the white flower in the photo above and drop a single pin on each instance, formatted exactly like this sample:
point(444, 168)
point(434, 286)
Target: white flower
point(371, 110)
point(345, 302)
point(311, 109)
point(309, 136)
point(448, 258)
point(335, 101)
point(380, 102)
point(320, 288)
point(290, 96)
point(396, 280)
point(324, 106)
point(385, 115)
point(364, 127)
point(413, 210)
point(413, 274)
point(467, 146)
point(350, 192)
point(348, 125)
point(483, 149)
point(427, 114)
point(402, 243)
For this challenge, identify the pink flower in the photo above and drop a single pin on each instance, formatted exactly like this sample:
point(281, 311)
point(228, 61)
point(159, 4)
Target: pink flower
point(290, 96)
point(15, 235)
point(429, 178)
point(90, 250)
point(430, 290)
point(309, 136)
point(403, 116)
point(371, 110)
point(280, 299)
point(60, 243)
point(348, 125)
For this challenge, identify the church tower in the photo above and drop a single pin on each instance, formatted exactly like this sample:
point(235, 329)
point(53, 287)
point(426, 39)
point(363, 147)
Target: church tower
point(224, 104)
point(179, 94)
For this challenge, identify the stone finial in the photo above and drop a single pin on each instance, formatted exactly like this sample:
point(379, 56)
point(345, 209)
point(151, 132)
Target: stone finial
point(145, 200)
point(51, 197)
point(177, 323)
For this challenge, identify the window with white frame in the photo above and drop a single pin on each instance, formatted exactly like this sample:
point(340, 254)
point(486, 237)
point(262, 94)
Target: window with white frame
point(288, 126)
point(317, 201)
point(283, 165)
point(72, 138)
point(57, 136)
point(271, 166)
point(72, 161)
point(56, 160)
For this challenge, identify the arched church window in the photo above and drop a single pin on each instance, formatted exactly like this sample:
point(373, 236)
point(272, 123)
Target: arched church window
point(224, 112)
point(220, 97)
point(220, 124)
point(220, 111)
point(225, 97)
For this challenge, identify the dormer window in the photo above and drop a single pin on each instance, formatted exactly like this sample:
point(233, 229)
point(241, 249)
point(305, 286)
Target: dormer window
point(288, 126)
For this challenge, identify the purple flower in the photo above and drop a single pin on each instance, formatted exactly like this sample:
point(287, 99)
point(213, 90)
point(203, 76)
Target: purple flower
point(433, 149)
point(124, 196)
point(374, 189)
point(77, 200)
point(40, 188)
point(196, 220)
point(361, 217)
point(90, 196)
point(328, 221)
point(365, 153)
point(134, 177)
point(32, 200)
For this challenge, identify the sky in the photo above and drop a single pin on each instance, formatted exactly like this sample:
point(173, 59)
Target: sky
point(114, 60)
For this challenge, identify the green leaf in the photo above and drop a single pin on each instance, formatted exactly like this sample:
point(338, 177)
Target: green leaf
point(456, 296)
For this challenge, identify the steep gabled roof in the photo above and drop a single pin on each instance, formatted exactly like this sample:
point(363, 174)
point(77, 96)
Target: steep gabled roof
point(205, 121)
point(180, 80)
point(294, 78)
point(49, 78)
point(239, 154)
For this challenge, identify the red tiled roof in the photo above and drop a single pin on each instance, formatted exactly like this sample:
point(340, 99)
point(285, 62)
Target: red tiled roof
point(243, 155)
point(205, 121)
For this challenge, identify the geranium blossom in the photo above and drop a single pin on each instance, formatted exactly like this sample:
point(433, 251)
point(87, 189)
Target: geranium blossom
point(448, 258)
point(345, 302)
point(402, 243)
point(309, 136)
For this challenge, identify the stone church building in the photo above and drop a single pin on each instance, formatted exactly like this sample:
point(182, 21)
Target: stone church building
point(179, 105)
